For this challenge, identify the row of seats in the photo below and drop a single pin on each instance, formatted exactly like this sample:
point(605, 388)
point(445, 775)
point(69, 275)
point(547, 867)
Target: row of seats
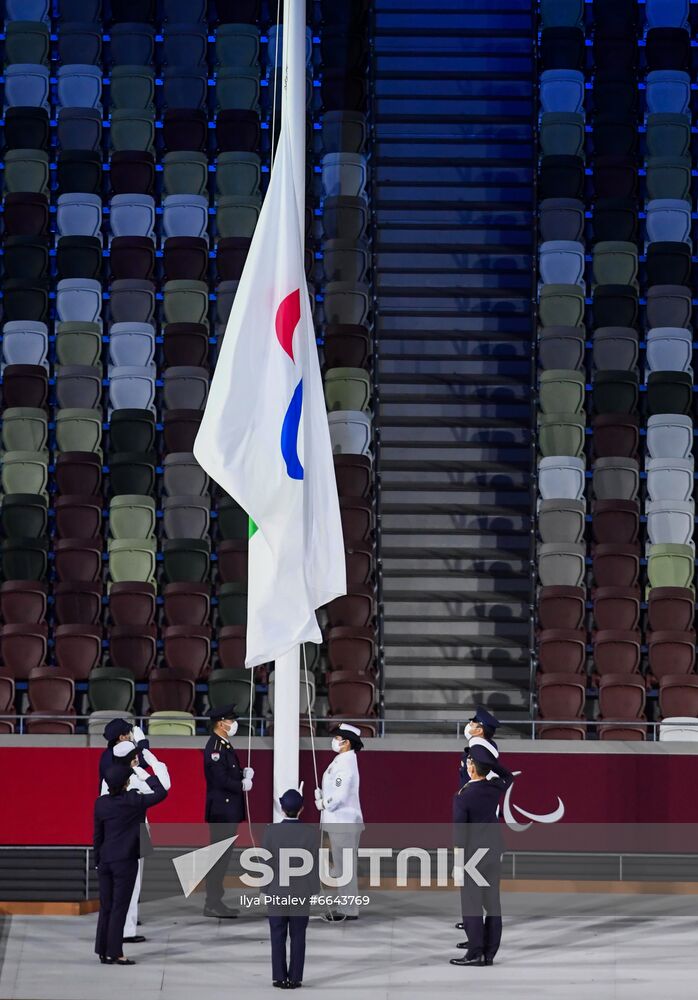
point(614, 378)
point(112, 534)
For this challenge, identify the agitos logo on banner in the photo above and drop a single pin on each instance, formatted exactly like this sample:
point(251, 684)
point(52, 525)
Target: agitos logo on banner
point(287, 318)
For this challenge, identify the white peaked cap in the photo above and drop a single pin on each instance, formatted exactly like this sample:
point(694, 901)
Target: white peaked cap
point(349, 729)
point(124, 748)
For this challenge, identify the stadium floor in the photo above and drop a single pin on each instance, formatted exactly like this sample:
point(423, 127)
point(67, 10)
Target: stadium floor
point(386, 955)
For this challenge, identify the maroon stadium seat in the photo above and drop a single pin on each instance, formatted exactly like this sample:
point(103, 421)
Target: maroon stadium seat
point(132, 603)
point(359, 561)
point(78, 649)
point(671, 608)
point(50, 694)
point(671, 652)
point(236, 131)
point(78, 472)
point(351, 649)
point(678, 695)
point(616, 565)
point(347, 345)
point(350, 695)
point(231, 254)
point(185, 257)
point(616, 521)
point(23, 647)
point(133, 647)
point(621, 698)
point(562, 732)
point(619, 731)
point(180, 428)
point(187, 649)
point(78, 515)
point(232, 560)
point(184, 129)
point(77, 559)
point(168, 690)
point(232, 646)
point(185, 344)
point(616, 651)
point(357, 518)
point(77, 602)
point(22, 601)
point(186, 603)
point(561, 651)
point(132, 257)
point(131, 171)
point(356, 608)
point(616, 607)
point(615, 435)
point(26, 214)
point(561, 607)
point(7, 703)
point(561, 697)
point(353, 474)
point(25, 385)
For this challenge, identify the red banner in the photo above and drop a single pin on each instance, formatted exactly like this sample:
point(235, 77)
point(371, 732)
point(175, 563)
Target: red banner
point(48, 793)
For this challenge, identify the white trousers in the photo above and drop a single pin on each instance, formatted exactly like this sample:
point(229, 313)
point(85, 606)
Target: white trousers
point(130, 927)
point(343, 838)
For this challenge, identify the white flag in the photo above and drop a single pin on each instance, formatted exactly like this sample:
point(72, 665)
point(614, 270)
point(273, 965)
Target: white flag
point(264, 436)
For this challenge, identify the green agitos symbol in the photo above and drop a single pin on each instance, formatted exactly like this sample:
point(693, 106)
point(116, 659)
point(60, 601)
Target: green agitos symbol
point(251, 528)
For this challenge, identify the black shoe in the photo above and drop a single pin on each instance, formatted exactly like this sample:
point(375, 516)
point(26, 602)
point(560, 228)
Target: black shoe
point(103, 959)
point(460, 926)
point(221, 911)
point(351, 918)
point(119, 961)
point(139, 922)
point(280, 983)
point(488, 961)
point(462, 944)
point(468, 961)
point(136, 939)
point(293, 984)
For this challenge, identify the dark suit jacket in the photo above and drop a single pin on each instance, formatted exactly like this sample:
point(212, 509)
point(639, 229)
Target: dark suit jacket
point(225, 799)
point(118, 821)
point(292, 834)
point(475, 812)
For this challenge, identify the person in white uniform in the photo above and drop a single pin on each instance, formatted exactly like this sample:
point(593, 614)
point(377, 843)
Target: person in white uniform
point(131, 753)
point(340, 815)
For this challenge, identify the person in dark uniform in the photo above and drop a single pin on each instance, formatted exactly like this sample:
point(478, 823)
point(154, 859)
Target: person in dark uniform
point(226, 784)
point(480, 729)
point(290, 919)
point(117, 831)
point(477, 826)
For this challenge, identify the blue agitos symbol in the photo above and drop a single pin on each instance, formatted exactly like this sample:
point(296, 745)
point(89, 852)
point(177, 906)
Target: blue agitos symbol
point(287, 318)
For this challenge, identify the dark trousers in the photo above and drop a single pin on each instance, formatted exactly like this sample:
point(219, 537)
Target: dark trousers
point(216, 876)
point(116, 882)
point(295, 927)
point(482, 913)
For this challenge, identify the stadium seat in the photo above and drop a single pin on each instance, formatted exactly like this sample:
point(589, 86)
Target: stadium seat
point(77, 603)
point(561, 697)
point(23, 647)
point(232, 604)
point(671, 652)
point(560, 564)
point(23, 601)
point(615, 479)
point(561, 650)
point(51, 698)
point(132, 603)
point(187, 649)
point(670, 521)
point(132, 559)
point(615, 521)
point(615, 348)
point(7, 704)
point(667, 608)
point(186, 603)
point(351, 648)
point(78, 516)
point(171, 723)
point(132, 516)
point(616, 565)
point(561, 520)
point(678, 694)
point(183, 475)
point(616, 651)
point(133, 647)
point(169, 691)
point(670, 565)
point(78, 649)
point(616, 608)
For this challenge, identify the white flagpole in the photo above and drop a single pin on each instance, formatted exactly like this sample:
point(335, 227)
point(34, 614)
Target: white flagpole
point(287, 669)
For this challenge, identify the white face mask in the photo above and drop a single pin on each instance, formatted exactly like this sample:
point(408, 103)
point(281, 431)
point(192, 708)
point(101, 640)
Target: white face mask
point(468, 731)
point(233, 729)
point(336, 744)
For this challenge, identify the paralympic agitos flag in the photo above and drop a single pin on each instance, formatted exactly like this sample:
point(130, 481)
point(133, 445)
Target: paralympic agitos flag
point(264, 436)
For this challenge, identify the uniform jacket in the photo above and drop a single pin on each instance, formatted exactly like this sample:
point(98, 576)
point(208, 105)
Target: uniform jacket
point(475, 812)
point(117, 822)
point(291, 833)
point(225, 799)
point(340, 790)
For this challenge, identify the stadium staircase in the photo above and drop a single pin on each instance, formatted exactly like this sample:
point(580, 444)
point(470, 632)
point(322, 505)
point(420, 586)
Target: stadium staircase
point(453, 195)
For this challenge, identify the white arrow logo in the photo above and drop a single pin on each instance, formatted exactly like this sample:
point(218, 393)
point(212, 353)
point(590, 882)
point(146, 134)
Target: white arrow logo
point(471, 867)
point(191, 868)
point(513, 824)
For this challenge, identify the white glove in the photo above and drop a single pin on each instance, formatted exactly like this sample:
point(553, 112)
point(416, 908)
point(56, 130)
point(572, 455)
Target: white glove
point(149, 757)
point(248, 772)
point(141, 773)
point(138, 734)
point(319, 801)
point(247, 784)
